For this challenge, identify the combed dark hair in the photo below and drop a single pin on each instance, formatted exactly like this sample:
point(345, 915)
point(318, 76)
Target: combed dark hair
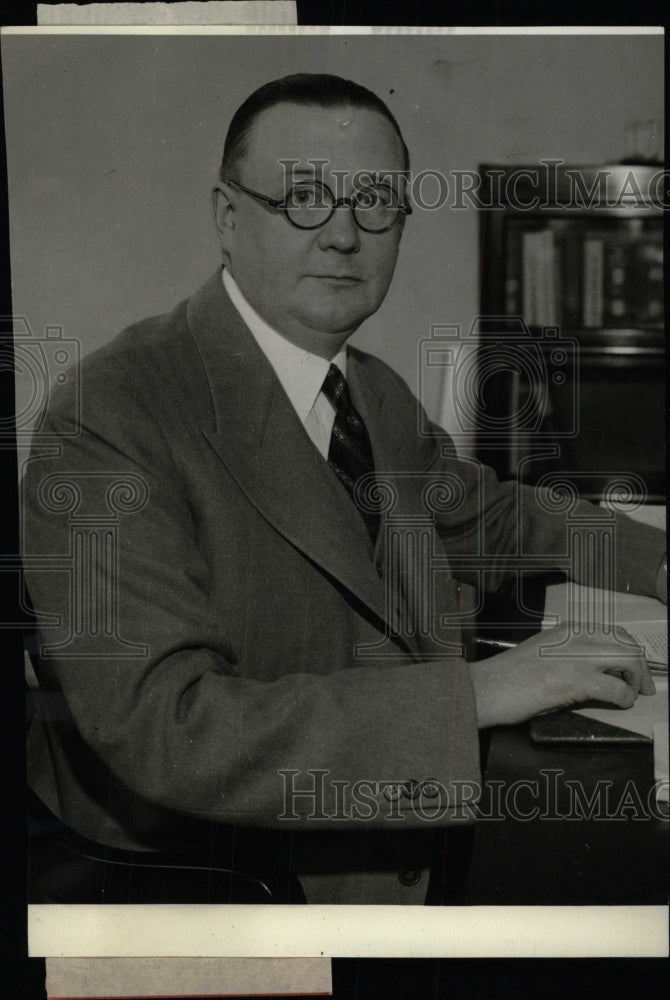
point(321, 89)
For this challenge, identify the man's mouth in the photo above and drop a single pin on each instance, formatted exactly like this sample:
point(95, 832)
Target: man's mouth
point(337, 277)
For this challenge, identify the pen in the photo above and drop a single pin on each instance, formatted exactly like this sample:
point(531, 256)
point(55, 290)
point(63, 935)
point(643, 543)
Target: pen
point(494, 643)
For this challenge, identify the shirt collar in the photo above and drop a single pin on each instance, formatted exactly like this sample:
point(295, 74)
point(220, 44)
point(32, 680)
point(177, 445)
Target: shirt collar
point(300, 372)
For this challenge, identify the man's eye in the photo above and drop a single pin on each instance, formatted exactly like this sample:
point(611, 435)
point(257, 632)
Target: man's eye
point(303, 197)
point(376, 197)
point(367, 198)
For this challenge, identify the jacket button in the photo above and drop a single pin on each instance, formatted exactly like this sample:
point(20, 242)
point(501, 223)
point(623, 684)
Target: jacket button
point(409, 876)
point(392, 792)
point(431, 791)
point(379, 568)
point(411, 789)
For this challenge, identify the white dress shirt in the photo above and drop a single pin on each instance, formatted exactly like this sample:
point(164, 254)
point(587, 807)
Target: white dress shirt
point(300, 372)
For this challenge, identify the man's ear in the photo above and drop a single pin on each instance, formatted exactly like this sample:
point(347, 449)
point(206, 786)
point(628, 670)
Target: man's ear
point(224, 212)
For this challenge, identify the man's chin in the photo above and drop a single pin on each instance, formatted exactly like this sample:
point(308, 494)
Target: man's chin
point(337, 318)
point(336, 327)
point(320, 333)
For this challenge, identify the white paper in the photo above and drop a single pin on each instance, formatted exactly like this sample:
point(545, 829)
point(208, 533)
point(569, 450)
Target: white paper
point(350, 931)
point(202, 977)
point(654, 637)
point(216, 12)
point(587, 604)
point(662, 764)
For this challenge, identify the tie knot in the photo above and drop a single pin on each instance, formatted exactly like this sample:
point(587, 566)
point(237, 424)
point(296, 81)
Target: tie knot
point(336, 390)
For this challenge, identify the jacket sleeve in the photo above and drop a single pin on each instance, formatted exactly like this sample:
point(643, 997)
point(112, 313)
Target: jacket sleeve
point(501, 527)
point(160, 707)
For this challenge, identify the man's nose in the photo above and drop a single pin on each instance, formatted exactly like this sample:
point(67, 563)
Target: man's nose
point(341, 232)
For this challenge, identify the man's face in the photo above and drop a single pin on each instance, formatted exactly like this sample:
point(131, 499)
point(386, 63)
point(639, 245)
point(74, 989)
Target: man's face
point(314, 286)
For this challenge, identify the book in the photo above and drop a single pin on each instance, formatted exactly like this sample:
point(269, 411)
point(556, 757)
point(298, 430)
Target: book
point(592, 292)
point(618, 306)
point(541, 277)
point(530, 276)
point(513, 271)
point(648, 280)
point(571, 277)
point(561, 274)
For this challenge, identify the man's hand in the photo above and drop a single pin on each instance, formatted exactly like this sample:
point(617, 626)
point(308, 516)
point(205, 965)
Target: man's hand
point(531, 678)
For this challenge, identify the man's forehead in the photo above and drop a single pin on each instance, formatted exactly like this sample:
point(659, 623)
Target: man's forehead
point(346, 137)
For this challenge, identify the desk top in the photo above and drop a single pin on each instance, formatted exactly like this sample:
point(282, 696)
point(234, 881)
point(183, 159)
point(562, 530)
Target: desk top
point(572, 826)
point(570, 600)
point(591, 836)
point(644, 618)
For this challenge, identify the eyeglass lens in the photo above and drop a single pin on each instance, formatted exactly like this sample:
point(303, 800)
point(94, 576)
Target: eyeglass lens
point(310, 205)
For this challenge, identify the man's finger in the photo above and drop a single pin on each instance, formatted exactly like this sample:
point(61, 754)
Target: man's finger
point(647, 685)
point(632, 676)
point(635, 672)
point(614, 690)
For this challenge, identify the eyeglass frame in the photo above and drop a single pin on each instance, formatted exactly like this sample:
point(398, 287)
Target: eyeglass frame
point(280, 206)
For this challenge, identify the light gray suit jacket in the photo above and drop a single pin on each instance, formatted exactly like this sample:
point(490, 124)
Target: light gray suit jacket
point(255, 635)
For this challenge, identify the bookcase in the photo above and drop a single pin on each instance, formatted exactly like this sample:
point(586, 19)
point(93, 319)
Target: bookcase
point(571, 329)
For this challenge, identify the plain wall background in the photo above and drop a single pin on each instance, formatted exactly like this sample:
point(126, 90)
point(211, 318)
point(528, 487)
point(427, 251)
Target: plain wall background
point(114, 143)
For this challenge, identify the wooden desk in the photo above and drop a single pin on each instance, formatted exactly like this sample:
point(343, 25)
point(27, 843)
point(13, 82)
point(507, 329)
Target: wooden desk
point(588, 859)
point(548, 861)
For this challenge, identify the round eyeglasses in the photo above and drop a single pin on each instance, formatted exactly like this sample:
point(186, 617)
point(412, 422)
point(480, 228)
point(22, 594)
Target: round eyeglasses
point(310, 205)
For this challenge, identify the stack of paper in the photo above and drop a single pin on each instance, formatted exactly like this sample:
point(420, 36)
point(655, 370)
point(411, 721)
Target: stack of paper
point(654, 637)
point(645, 619)
point(648, 716)
point(661, 767)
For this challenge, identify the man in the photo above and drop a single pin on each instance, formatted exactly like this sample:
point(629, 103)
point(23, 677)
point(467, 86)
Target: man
point(255, 661)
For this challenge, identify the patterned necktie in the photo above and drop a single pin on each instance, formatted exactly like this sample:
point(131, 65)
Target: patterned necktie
point(350, 452)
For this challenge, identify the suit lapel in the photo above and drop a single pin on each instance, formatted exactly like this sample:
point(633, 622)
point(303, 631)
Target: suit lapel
point(425, 594)
point(264, 446)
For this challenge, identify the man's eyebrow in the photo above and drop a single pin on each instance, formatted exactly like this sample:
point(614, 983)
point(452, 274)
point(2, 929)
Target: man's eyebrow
point(382, 176)
point(375, 176)
point(301, 172)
